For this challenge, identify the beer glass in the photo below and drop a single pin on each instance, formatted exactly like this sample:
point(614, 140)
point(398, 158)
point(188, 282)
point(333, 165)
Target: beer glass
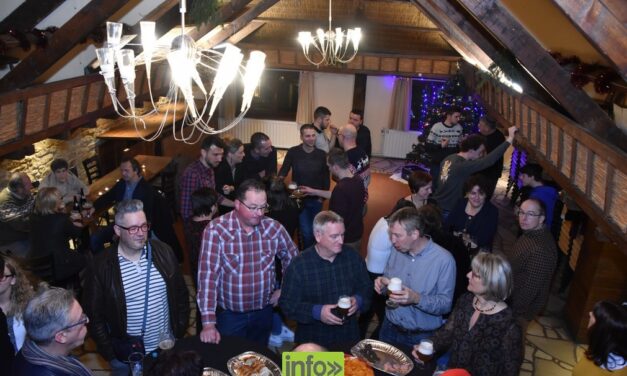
point(395, 285)
point(343, 305)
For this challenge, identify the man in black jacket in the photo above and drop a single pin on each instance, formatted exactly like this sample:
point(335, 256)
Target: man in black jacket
point(118, 282)
point(131, 186)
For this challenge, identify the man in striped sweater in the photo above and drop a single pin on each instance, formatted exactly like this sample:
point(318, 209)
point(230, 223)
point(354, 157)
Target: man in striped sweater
point(134, 289)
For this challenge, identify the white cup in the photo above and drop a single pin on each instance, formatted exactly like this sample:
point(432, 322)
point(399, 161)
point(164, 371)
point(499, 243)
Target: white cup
point(395, 284)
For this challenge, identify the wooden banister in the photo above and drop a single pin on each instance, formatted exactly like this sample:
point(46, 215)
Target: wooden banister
point(591, 170)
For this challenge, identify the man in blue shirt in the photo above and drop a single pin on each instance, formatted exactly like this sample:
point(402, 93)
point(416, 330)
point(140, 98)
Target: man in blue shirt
point(428, 275)
point(531, 178)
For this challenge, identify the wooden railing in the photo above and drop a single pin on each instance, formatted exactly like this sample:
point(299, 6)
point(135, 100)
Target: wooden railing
point(38, 112)
point(593, 172)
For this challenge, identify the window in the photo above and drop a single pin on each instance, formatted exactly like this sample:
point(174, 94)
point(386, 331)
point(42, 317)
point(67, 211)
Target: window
point(276, 97)
point(425, 96)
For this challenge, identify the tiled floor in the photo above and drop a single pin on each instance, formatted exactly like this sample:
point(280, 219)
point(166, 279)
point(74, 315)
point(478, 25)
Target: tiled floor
point(550, 350)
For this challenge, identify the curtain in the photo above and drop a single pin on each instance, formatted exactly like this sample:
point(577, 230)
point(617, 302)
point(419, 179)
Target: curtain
point(305, 108)
point(401, 103)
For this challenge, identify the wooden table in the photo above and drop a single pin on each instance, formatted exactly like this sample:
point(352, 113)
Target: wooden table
point(151, 165)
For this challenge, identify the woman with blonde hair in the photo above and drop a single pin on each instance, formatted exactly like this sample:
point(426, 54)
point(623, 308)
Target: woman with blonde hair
point(482, 334)
point(51, 231)
point(15, 291)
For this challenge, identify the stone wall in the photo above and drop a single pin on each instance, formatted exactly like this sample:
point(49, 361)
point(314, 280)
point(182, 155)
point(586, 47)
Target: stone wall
point(81, 145)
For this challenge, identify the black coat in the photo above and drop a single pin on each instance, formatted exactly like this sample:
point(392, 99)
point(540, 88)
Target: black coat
point(105, 303)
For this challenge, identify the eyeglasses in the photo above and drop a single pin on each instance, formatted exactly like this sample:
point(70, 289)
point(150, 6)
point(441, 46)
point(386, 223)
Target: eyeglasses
point(263, 209)
point(4, 277)
point(134, 229)
point(83, 321)
point(521, 213)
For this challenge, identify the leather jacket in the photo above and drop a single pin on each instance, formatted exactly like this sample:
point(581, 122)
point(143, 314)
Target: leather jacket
point(105, 303)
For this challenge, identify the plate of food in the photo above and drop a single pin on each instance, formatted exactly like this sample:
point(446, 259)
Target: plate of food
point(251, 363)
point(353, 366)
point(383, 357)
point(208, 371)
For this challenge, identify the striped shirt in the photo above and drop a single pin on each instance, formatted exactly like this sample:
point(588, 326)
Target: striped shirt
point(236, 269)
point(134, 284)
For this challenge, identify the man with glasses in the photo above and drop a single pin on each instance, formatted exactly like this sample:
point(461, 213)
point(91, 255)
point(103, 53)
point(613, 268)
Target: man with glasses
point(134, 289)
point(55, 323)
point(533, 258)
point(236, 275)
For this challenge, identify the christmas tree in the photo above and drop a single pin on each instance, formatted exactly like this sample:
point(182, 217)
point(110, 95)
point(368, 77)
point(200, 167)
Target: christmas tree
point(437, 97)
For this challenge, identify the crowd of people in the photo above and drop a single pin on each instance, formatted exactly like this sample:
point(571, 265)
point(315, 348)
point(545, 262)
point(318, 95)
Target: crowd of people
point(263, 251)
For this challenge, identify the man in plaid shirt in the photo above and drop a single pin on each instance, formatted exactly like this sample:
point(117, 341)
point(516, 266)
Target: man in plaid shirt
point(200, 174)
point(236, 276)
point(318, 277)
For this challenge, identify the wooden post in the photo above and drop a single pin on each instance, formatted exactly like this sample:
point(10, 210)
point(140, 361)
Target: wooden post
point(601, 274)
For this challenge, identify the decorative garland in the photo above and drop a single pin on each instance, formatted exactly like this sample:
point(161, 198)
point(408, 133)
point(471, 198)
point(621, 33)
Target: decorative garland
point(581, 73)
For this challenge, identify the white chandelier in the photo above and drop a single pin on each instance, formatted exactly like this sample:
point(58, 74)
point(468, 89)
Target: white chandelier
point(188, 65)
point(335, 47)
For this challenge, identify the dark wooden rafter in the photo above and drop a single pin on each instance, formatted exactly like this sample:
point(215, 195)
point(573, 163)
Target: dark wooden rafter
point(454, 35)
point(541, 65)
point(371, 24)
point(28, 14)
point(245, 31)
point(62, 41)
point(238, 24)
point(227, 11)
point(600, 26)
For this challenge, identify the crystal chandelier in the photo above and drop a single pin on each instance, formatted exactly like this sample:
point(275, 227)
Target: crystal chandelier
point(335, 47)
point(188, 64)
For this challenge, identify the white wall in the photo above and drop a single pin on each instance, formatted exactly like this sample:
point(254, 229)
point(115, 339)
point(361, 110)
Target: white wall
point(378, 108)
point(335, 92)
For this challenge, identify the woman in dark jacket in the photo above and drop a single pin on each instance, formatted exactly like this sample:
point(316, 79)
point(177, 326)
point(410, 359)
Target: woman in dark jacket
point(474, 217)
point(51, 231)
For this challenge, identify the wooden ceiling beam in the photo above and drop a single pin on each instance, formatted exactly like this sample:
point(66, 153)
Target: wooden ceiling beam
point(62, 41)
point(246, 31)
point(601, 27)
point(457, 36)
point(28, 15)
point(312, 24)
point(236, 25)
point(227, 11)
point(543, 67)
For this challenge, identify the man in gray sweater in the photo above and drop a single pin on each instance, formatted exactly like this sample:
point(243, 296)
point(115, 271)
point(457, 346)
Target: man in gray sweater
point(457, 168)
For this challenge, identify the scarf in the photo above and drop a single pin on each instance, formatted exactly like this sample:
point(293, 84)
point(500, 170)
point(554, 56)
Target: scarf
point(67, 364)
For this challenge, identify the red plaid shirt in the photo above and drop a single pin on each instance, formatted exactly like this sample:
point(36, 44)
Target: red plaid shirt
point(196, 175)
point(236, 269)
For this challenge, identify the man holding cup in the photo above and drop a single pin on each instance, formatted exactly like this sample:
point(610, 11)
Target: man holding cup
point(427, 272)
point(326, 285)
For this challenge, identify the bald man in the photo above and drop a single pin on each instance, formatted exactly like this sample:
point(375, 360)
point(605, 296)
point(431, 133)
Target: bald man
point(357, 156)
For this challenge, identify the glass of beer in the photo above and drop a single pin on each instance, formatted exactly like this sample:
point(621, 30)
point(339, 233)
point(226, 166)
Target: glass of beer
point(424, 351)
point(166, 339)
point(395, 285)
point(343, 305)
point(86, 209)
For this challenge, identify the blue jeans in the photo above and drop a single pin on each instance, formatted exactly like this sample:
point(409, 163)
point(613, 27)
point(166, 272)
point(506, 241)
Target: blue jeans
point(390, 334)
point(311, 207)
point(253, 325)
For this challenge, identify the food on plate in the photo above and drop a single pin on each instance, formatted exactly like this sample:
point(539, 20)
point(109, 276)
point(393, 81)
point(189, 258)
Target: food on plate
point(354, 366)
point(369, 353)
point(397, 368)
point(251, 366)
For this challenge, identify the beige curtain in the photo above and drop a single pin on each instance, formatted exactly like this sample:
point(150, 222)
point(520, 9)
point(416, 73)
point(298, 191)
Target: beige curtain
point(305, 108)
point(401, 103)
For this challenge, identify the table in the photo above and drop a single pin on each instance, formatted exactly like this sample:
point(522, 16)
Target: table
point(151, 165)
point(426, 370)
point(216, 356)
